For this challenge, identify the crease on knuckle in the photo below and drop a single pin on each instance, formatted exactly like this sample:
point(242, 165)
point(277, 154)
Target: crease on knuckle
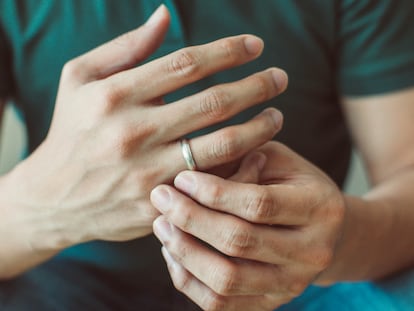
point(239, 241)
point(183, 216)
point(230, 50)
point(184, 63)
point(226, 280)
point(211, 195)
point(214, 105)
point(261, 208)
point(227, 146)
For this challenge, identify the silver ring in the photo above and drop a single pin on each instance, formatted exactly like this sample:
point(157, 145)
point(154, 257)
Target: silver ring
point(188, 155)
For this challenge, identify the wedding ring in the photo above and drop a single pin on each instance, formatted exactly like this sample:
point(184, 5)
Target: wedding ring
point(188, 155)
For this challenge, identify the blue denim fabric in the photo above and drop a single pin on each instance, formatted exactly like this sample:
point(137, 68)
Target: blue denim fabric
point(393, 294)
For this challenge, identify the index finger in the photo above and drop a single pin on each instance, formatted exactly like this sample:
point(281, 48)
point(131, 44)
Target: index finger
point(262, 204)
point(171, 72)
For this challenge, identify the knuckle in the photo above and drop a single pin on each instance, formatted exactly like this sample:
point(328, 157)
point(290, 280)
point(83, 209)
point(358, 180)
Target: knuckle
point(212, 195)
point(109, 96)
point(261, 86)
point(185, 63)
point(226, 280)
point(260, 207)
point(126, 139)
point(183, 216)
point(178, 248)
point(239, 241)
point(213, 104)
point(213, 302)
point(124, 142)
point(180, 280)
point(227, 146)
point(72, 70)
point(230, 49)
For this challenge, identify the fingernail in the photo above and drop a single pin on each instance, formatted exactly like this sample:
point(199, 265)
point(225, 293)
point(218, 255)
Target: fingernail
point(185, 182)
point(281, 79)
point(253, 44)
point(160, 198)
point(156, 16)
point(162, 229)
point(276, 116)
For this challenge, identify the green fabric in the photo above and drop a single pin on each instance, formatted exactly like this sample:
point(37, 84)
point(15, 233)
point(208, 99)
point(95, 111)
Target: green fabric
point(329, 49)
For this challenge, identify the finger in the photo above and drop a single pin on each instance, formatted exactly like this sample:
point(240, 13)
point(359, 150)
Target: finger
point(289, 205)
point(250, 168)
point(224, 275)
point(229, 234)
point(188, 65)
point(202, 295)
point(231, 143)
point(219, 103)
point(123, 52)
point(227, 144)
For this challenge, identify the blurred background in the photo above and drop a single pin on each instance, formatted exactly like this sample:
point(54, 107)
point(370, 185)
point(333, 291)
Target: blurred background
point(13, 140)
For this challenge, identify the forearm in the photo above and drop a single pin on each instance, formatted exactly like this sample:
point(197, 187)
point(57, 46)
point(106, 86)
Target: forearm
point(378, 233)
point(27, 236)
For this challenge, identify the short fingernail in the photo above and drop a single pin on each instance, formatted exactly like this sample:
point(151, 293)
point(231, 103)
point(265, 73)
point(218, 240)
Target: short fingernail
point(276, 116)
point(281, 79)
point(253, 44)
point(162, 229)
point(160, 198)
point(185, 182)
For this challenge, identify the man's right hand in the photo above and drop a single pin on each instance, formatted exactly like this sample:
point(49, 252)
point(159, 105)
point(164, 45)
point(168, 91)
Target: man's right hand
point(112, 139)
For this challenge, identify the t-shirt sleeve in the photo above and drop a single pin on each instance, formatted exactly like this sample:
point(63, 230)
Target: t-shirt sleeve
point(6, 76)
point(376, 46)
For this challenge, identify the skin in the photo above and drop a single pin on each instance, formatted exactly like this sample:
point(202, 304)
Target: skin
point(112, 140)
point(272, 237)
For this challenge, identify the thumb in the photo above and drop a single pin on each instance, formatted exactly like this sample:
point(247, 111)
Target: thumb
point(250, 168)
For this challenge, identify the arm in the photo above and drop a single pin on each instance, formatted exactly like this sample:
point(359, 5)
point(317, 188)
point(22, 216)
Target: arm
point(379, 227)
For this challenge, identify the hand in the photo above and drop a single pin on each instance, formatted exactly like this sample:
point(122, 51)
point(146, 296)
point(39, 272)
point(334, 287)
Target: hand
point(261, 244)
point(112, 139)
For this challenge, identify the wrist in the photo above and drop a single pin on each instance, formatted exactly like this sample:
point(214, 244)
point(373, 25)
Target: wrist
point(28, 224)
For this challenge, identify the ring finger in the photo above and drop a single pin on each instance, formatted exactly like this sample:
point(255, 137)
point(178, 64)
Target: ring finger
point(227, 144)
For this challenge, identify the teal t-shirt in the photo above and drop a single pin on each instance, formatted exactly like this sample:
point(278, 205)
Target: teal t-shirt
point(330, 49)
